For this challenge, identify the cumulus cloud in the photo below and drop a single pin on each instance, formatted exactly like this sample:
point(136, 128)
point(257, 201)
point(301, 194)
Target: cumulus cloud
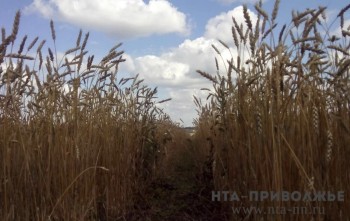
point(161, 71)
point(177, 68)
point(228, 2)
point(179, 65)
point(181, 107)
point(175, 71)
point(219, 27)
point(120, 18)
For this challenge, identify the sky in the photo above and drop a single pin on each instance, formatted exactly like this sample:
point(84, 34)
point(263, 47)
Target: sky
point(165, 42)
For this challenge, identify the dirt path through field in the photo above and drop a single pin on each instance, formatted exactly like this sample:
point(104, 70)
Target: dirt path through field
point(183, 193)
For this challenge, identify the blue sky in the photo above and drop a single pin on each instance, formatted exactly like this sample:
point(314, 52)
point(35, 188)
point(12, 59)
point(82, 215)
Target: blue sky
point(164, 41)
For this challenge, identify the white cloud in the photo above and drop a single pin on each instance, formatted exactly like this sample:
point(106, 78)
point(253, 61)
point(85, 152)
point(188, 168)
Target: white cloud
point(174, 72)
point(181, 106)
point(44, 8)
point(219, 27)
point(228, 2)
point(120, 18)
point(177, 68)
point(128, 65)
point(197, 54)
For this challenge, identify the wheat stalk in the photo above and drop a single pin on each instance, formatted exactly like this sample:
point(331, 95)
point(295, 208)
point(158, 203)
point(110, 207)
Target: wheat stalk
point(275, 11)
point(15, 26)
point(329, 146)
point(53, 32)
point(247, 18)
point(20, 50)
point(207, 76)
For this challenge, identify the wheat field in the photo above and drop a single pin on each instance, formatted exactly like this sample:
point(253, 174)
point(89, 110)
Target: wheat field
point(279, 116)
point(78, 142)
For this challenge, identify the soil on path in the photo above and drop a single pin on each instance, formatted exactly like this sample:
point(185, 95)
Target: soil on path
point(182, 193)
